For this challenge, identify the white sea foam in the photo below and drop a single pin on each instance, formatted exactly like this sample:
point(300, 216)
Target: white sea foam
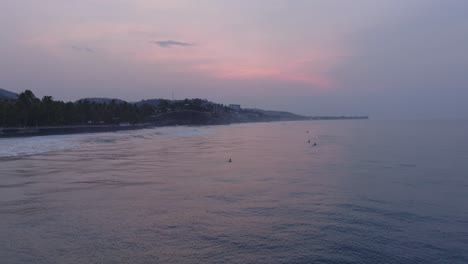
point(14, 147)
point(182, 131)
point(17, 147)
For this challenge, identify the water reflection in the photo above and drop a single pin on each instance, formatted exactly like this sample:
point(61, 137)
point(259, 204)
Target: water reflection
point(169, 195)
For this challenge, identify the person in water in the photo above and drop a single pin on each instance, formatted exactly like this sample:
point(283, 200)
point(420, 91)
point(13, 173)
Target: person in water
point(230, 160)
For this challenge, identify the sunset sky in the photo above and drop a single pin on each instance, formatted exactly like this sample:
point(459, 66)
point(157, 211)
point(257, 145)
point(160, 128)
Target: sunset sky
point(386, 58)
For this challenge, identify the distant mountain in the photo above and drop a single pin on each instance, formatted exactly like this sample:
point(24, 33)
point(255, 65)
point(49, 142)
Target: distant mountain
point(154, 102)
point(280, 114)
point(4, 94)
point(99, 100)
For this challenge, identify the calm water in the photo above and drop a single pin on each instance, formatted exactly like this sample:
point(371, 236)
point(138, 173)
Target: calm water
point(370, 192)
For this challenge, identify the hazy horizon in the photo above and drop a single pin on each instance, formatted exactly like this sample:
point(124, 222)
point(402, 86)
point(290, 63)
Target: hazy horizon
point(389, 60)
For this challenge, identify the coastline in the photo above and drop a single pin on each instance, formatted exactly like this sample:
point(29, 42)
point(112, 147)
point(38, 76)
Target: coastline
point(64, 130)
point(11, 132)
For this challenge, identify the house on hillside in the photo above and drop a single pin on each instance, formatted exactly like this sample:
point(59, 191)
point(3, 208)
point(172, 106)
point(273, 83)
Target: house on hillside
point(236, 107)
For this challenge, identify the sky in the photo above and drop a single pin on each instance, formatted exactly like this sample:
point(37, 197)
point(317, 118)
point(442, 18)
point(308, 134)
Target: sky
point(388, 59)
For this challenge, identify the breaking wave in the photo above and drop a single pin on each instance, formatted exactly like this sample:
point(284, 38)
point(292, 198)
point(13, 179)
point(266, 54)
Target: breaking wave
point(26, 146)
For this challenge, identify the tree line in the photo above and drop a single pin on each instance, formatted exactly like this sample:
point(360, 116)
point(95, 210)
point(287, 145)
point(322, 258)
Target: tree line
point(29, 111)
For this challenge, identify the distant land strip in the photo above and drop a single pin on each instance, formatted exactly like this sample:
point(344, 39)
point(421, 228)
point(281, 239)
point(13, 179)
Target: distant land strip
point(26, 115)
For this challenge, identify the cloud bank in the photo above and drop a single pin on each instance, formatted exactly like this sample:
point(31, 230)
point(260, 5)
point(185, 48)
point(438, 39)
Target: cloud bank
point(171, 43)
point(391, 59)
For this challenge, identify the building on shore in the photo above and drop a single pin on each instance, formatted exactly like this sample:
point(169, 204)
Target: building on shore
point(236, 107)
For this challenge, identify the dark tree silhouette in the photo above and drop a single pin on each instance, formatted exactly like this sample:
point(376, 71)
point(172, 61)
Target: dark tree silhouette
point(29, 111)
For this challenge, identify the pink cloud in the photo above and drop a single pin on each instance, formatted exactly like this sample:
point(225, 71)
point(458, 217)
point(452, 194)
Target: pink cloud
point(270, 72)
point(220, 58)
point(220, 55)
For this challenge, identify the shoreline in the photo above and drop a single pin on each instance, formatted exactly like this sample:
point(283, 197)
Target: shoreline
point(12, 132)
point(65, 130)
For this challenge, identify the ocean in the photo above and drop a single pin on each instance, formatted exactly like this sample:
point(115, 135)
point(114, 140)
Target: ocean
point(368, 192)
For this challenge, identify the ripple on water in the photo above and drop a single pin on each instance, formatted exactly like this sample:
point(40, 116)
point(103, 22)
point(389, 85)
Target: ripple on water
point(167, 195)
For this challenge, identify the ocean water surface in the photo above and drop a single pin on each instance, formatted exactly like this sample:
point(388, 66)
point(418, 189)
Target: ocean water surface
point(369, 192)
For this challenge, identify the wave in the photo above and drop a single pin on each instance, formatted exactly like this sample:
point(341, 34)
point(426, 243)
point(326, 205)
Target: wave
point(187, 131)
point(16, 147)
point(27, 146)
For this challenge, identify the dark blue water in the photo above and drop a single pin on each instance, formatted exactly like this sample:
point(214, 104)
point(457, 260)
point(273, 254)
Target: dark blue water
point(369, 192)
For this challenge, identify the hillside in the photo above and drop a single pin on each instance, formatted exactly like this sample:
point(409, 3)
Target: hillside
point(153, 102)
point(17, 117)
point(100, 100)
point(279, 115)
point(4, 94)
